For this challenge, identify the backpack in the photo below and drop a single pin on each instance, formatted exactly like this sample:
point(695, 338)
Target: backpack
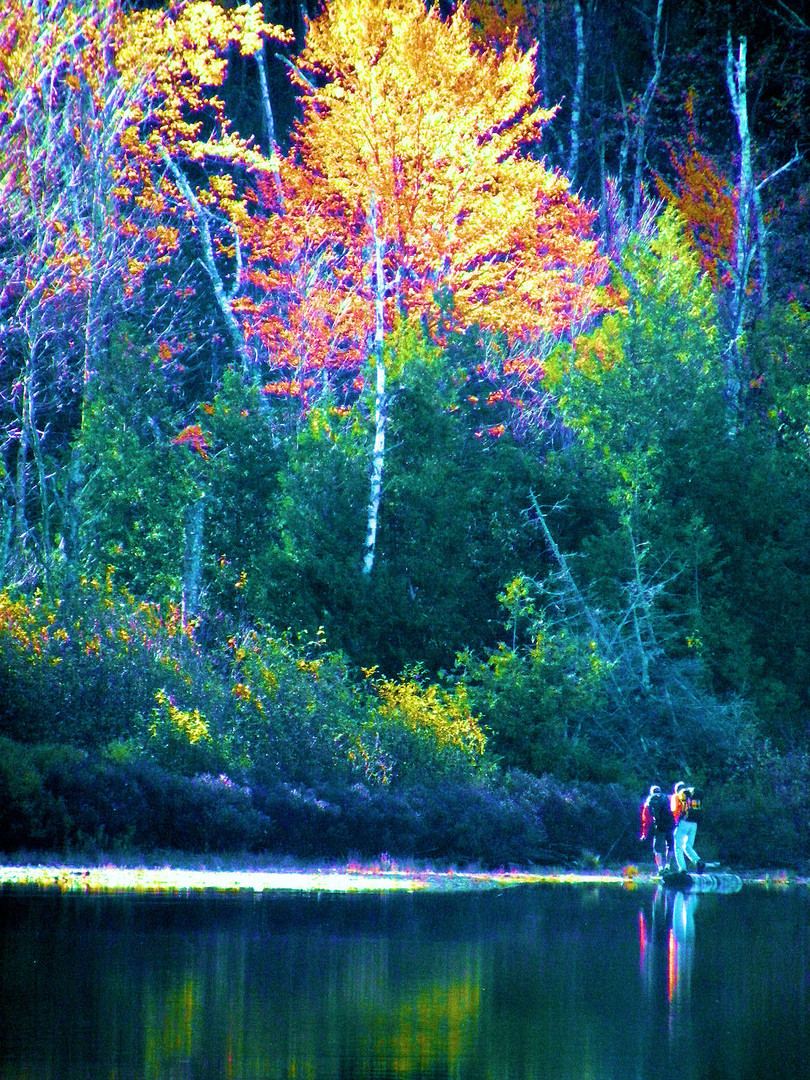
point(662, 813)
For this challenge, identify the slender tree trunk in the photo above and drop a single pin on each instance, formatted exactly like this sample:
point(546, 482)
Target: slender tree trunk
point(269, 125)
point(380, 396)
point(646, 102)
point(192, 558)
point(736, 80)
point(593, 622)
point(21, 481)
point(540, 32)
point(223, 297)
point(29, 453)
point(641, 599)
point(6, 536)
point(579, 87)
point(46, 554)
point(624, 149)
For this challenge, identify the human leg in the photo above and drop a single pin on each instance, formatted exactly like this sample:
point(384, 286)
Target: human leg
point(660, 852)
point(657, 852)
point(679, 842)
point(688, 848)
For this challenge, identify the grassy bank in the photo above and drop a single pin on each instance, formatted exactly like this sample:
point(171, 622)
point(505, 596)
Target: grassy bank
point(171, 880)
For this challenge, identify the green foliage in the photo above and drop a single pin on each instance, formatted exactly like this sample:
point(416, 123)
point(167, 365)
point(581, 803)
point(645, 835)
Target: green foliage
point(539, 698)
point(242, 491)
point(754, 493)
point(109, 674)
point(644, 394)
point(308, 572)
point(453, 523)
point(644, 391)
point(84, 669)
point(29, 814)
point(137, 483)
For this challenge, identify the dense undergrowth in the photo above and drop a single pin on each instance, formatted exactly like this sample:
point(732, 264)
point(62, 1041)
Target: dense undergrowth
point(122, 735)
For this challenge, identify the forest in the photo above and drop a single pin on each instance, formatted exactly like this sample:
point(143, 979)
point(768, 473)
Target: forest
point(405, 425)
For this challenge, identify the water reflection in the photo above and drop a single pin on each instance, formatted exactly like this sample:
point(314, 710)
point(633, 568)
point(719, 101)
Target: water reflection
point(286, 989)
point(531, 984)
point(667, 952)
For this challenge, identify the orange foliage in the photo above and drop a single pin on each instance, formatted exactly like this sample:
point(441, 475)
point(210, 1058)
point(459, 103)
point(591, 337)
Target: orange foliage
point(707, 201)
point(404, 110)
point(93, 96)
point(194, 437)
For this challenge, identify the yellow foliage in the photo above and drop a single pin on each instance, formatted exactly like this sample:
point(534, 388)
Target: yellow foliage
point(411, 114)
point(188, 722)
point(444, 717)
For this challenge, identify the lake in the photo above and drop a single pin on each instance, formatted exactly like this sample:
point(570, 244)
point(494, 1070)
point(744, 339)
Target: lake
point(550, 982)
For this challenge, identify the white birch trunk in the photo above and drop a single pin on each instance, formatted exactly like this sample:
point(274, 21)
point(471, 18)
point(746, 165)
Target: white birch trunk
point(380, 397)
point(192, 558)
point(579, 86)
point(736, 78)
point(269, 125)
point(223, 298)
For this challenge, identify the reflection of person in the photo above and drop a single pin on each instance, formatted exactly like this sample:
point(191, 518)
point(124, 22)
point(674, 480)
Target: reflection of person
point(666, 954)
point(686, 809)
point(669, 936)
point(657, 820)
point(681, 947)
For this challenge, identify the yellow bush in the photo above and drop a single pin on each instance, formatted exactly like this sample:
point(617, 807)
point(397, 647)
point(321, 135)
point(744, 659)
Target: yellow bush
point(431, 711)
point(189, 722)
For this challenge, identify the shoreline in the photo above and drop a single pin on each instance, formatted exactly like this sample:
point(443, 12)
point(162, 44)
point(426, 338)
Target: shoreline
point(168, 880)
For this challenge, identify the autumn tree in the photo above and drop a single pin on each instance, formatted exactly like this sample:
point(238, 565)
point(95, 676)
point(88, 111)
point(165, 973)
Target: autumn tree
point(727, 221)
point(62, 115)
point(416, 172)
point(98, 105)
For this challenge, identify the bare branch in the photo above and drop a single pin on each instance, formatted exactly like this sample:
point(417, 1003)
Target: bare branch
point(791, 18)
point(209, 261)
point(797, 157)
point(561, 560)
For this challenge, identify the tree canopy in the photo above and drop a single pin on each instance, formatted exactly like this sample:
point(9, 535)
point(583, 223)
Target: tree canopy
point(483, 375)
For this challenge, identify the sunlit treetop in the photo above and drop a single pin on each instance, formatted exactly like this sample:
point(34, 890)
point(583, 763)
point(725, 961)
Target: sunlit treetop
point(405, 111)
point(183, 52)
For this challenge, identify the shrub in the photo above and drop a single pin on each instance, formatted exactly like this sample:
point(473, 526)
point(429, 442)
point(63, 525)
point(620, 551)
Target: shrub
point(760, 817)
point(81, 670)
point(30, 815)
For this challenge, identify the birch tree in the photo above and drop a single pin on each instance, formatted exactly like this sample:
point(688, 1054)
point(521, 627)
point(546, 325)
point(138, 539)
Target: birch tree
point(409, 114)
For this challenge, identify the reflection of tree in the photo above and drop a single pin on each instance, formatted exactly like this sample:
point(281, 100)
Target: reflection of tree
point(280, 1013)
point(169, 1025)
point(427, 1029)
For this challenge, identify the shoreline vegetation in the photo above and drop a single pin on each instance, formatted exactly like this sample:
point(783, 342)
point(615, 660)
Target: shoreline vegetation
point(350, 507)
point(173, 880)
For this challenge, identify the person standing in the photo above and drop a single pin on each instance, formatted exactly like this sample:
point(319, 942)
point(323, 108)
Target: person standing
point(688, 817)
point(657, 821)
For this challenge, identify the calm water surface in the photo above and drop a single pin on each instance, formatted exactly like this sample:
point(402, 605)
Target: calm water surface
point(548, 982)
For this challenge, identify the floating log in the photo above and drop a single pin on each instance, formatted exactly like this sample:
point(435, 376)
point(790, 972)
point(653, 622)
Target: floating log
point(716, 881)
